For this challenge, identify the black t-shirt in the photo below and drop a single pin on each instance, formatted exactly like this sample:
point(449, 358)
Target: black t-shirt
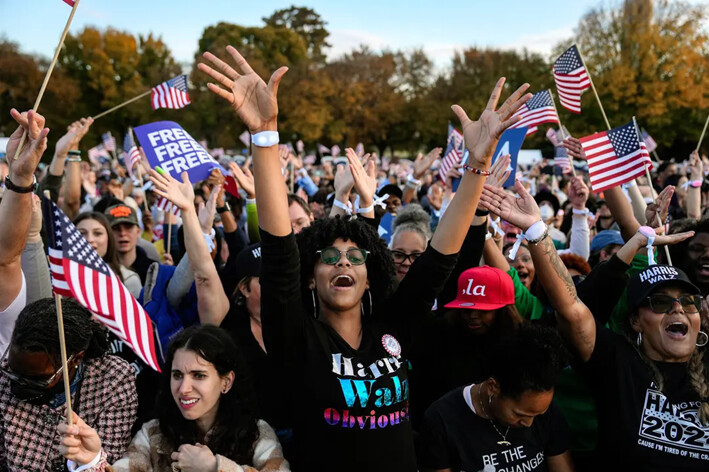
point(640, 427)
point(455, 437)
point(350, 406)
point(141, 264)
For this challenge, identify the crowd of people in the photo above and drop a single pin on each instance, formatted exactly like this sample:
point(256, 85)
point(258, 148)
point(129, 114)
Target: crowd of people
point(535, 327)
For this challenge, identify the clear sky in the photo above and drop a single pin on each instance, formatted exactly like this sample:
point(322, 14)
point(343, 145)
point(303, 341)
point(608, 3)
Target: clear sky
point(440, 26)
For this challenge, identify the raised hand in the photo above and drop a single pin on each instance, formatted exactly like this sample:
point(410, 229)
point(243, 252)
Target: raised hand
point(695, 167)
point(578, 193)
point(215, 178)
point(253, 101)
point(22, 169)
point(522, 212)
point(207, 210)
point(422, 164)
point(574, 148)
point(180, 194)
point(452, 174)
point(499, 171)
point(72, 138)
point(244, 178)
point(656, 212)
point(481, 136)
point(344, 181)
point(79, 442)
point(365, 181)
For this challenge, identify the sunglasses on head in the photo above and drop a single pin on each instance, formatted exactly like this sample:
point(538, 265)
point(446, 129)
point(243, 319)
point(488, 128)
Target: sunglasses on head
point(663, 303)
point(332, 255)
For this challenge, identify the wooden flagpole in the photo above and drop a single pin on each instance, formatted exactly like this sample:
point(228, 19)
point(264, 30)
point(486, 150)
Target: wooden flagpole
point(62, 347)
point(654, 194)
point(168, 216)
point(598, 99)
point(49, 73)
point(701, 138)
point(563, 135)
point(104, 113)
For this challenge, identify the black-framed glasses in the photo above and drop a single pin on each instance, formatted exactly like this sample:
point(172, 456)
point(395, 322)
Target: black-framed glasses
point(663, 303)
point(28, 382)
point(399, 256)
point(332, 255)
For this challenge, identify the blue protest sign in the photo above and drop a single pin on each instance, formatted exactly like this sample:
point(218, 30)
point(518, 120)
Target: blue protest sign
point(510, 143)
point(169, 146)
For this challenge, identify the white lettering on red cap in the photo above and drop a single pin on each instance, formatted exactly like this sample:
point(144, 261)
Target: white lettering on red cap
point(474, 290)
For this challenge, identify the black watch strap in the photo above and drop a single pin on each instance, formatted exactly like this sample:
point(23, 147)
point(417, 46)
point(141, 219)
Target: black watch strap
point(223, 209)
point(480, 212)
point(17, 189)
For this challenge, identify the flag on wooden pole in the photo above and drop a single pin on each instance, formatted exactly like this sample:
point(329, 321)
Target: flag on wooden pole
point(538, 110)
point(454, 151)
point(571, 79)
point(171, 94)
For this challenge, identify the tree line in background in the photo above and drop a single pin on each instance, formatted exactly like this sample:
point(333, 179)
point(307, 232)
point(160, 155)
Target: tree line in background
point(648, 59)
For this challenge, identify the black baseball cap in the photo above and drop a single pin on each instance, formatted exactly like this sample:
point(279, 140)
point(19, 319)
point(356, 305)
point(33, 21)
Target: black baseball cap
point(248, 262)
point(121, 213)
point(642, 284)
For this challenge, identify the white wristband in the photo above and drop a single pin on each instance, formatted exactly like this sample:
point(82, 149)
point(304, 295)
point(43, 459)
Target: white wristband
point(585, 212)
point(366, 210)
point(535, 231)
point(265, 139)
point(209, 238)
point(346, 207)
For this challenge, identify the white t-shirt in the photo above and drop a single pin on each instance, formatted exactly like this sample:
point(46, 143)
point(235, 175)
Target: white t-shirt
point(8, 317)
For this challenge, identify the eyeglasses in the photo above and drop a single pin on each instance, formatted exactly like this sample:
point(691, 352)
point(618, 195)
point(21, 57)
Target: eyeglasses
point(27, 382)
point(332, 255)
point(662, 303)
point(399, 257)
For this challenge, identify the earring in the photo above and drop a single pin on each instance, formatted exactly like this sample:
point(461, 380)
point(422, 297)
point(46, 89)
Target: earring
point(706, 339)
point(370, 304)
point(315, 306)
point(639, 339)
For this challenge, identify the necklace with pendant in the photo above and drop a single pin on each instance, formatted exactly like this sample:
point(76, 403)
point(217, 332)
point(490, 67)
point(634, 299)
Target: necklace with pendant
point(504, 441)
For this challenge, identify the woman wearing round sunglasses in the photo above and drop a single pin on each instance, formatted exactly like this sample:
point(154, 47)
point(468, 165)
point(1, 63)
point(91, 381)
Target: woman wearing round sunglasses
point(328, 314)
point(650, 386)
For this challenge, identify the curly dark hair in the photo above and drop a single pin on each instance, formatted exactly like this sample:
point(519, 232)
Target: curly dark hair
point(323, 232)
point(235, 430)
point(530, 358)
point(36, 330)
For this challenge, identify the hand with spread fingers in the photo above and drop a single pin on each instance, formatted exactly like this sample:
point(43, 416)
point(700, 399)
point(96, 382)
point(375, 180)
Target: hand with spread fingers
point(252, 99)
point(244, 178)
point(522, 212)
point(422, 164)
point(72, 138)
point(481, 136)
point(181, 194)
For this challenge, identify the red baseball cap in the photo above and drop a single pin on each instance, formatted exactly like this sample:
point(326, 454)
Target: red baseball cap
point(483, 288)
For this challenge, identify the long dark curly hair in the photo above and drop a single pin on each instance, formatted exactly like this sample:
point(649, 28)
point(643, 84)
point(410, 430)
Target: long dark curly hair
point(380, 266)
point(235, 430)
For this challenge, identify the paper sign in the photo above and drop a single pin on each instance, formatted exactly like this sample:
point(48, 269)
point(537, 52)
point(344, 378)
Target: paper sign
point(510, 143)
point(169, 146)
point(385, 227)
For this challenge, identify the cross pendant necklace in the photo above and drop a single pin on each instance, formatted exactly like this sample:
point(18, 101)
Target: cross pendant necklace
point(504, 441)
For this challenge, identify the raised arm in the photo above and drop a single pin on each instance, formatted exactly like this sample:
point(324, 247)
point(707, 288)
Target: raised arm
point(481, 137)
point(421, 165)
point(694, 193)
point(256, 105)
point(212, 302)
point(576, 322)
point(16, 207)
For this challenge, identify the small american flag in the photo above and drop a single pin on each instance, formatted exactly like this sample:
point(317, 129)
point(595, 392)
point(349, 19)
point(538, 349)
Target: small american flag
point(615, 157)
point(163, 204)
point(97, 152)
point(649, 142)
point(323, 149)
point(454, 152)
point(79, 272)
point(561, 157)
point(171, 94)
point(538, 110)
point(109, 142)
point(131, 150)
point(571, 79)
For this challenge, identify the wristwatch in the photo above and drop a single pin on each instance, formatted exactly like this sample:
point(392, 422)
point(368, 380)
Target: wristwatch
point(225, 208)
point(17, 189)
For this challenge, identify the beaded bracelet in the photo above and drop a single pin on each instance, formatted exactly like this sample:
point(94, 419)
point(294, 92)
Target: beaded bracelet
point(475, 170)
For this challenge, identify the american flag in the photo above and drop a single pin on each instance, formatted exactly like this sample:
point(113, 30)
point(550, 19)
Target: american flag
point(131, 150)
point(79, 272)
point(649, 142)
point(97, 152)
point(171, 94)
point(69, 2)
point(538, 110)
point(615, 157)
point(454, 152)
point(163, 204)
point(109, 142)
point(571, 79)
